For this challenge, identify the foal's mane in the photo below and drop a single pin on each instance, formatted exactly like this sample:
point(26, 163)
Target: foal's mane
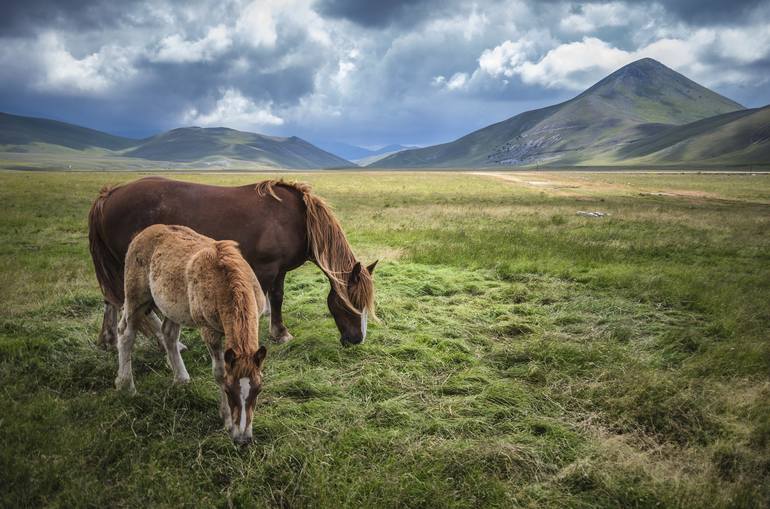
point(329, 245)
point(244, 337)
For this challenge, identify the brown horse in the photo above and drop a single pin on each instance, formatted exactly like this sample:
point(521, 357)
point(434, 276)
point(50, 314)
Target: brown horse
point(278, 225)
point(196, 281)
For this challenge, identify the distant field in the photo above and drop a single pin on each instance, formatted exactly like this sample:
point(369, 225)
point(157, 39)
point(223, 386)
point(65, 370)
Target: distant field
point(527, 356)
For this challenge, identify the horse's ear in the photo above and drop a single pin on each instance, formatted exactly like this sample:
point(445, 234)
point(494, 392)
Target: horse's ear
point(370, 268)
point(355, 273)
point(230, 357)
point(259, 356)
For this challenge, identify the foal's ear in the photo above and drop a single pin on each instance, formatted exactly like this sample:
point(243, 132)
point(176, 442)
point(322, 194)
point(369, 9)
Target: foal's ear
point(370, 268)
point(355, 273)
point(259, 356)
point(230, 357)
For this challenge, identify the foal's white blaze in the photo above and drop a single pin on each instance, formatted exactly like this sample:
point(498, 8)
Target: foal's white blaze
point(363, 324)
point(245, 386)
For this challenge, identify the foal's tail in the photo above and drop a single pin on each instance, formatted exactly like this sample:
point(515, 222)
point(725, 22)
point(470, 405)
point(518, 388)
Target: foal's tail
point(109, 268)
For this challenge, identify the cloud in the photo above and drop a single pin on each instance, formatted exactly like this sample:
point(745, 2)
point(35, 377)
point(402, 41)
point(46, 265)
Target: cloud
point(712, 12)
point(577, 65)
point(411, 71)
point(232, 109)
point(58, 71)
point(175, 49)
point(506, 58)
point(378, 14)
point(573, 65)
point(593, 16)
point(257, 26)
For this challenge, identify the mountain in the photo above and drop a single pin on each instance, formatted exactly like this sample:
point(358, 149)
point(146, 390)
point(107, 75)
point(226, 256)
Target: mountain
point(359, 155)
point(19, 131)
point(27, 140)
point(381, 153)
point(740, 137)
point(344, 150)
point(644, 98)
point(189, 144)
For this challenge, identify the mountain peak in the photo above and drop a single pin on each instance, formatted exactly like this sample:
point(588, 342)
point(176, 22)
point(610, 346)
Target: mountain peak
point(639, 98)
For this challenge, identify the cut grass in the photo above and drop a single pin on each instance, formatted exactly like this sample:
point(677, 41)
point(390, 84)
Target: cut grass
point(527, 357)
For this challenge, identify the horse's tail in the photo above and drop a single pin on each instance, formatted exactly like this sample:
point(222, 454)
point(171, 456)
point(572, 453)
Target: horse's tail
point(246, 306)
point(109, 268)
point(329, 245)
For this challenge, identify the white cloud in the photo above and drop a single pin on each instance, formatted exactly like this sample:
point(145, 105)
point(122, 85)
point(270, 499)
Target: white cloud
point(577, 65)
point(505, 58)
point(59, 71)
point(257, 26)
point(175, 49)
point(234, 110)
point(458, 80)
point(571, 65)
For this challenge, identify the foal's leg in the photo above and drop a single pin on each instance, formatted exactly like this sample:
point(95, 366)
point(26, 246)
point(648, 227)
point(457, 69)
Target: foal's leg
point(126, 336)
point(213, 340)
point(109, 333)
point(151, 326)
point(170, 335)
point(278, 331)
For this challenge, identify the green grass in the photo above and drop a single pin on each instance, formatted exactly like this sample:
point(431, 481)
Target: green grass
point(526, 357)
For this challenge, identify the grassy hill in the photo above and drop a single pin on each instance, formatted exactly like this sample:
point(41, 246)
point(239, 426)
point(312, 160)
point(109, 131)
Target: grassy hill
point(195, 143)
point(639, 100)
point(16, 132)
point(740, 137)
point(38, 142)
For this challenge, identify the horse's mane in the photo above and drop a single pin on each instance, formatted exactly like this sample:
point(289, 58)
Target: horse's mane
point(245, 332)
point(329, 246)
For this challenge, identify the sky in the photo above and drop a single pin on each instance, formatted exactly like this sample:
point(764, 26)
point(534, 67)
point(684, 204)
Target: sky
point(414, 72)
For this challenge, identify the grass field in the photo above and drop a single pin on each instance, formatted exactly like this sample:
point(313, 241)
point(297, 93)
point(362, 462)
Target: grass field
point(527, 356)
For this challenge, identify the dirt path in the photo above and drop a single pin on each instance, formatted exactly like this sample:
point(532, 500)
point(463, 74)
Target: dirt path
point(577, 184)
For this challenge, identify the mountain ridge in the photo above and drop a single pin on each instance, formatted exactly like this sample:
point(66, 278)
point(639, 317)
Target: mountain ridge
point(180, 146)
point(638, 100)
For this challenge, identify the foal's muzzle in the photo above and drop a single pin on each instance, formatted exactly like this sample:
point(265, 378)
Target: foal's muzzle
point(242, 440)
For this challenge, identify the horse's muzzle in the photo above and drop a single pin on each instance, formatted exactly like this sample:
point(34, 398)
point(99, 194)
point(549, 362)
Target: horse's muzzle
point(346, 341)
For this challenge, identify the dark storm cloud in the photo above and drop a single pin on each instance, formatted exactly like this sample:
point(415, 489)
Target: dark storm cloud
point(371, 73)
point(381, 13)
point(699, 12)
point(22, 16)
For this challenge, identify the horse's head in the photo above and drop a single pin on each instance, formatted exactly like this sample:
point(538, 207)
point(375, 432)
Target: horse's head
point(359, 290)
point(243, 382)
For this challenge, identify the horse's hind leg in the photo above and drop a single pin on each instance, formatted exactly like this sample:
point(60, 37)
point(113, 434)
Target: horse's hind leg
point(213, 340)
point(170, 334)
point(109, 334)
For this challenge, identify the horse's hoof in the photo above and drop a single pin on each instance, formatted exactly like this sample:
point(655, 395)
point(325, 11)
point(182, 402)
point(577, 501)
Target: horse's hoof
point(126, 386)
point(182, 381)
point(283, 338)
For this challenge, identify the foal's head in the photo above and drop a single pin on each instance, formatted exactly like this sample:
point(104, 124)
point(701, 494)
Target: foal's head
point(359, 291)
point(243, 382)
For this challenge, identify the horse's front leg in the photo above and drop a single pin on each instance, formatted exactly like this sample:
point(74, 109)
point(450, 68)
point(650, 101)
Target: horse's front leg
point(278, 331)
point(170, 334)
point(213, 340)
